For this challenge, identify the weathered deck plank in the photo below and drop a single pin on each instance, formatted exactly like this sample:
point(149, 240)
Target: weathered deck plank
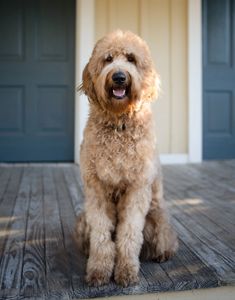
point(199, 217)
point(4, 179)
point(67, 215)
point(74, 189)
point(204, 277)
point(195, 187)
point(57, 270)
point(39, 257)
point(7, 205)
point(33, 279)
point(12, 259)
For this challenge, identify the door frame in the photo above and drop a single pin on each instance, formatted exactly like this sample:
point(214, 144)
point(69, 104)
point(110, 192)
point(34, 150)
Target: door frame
point(84, 42)
point(195, 69)
point(85, 32)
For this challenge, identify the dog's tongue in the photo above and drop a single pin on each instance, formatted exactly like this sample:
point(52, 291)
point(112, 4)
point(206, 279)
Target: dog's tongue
point(119, 92)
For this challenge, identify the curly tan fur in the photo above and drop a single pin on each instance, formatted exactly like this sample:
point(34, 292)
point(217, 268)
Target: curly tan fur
point(125, 215)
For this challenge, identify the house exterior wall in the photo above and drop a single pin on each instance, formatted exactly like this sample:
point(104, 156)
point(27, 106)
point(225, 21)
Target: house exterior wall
point(163, 24)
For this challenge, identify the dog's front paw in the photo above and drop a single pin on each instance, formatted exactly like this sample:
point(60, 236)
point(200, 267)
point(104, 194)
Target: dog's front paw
point(126, 275)
point(98, 277)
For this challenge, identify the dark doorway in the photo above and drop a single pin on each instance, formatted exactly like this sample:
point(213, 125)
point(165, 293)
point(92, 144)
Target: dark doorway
point(37, 80)
point(218, 79)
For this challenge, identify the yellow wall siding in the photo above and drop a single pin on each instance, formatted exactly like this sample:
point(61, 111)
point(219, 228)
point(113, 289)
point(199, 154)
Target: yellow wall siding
point(179, 101)
point(111, 15)
point(163, 24)
point(156, 32)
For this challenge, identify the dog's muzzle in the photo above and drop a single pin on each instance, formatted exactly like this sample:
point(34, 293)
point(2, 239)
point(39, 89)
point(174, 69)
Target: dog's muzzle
point(120, 87)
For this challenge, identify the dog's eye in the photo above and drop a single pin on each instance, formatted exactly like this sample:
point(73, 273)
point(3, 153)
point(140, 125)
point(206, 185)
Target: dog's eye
point(109, 58)
point(131, 58)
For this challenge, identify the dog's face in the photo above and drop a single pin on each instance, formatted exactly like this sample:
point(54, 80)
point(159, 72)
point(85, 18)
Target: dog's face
point(120, 73)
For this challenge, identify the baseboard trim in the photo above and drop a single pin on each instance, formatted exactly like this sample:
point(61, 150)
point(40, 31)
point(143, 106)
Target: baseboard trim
point(174, 159)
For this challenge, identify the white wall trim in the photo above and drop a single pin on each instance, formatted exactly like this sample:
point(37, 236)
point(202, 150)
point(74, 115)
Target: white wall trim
point(195, 80)
point(84, 44)
point(166, 159)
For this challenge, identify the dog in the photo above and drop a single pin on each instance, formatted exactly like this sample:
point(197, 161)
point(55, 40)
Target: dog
point(125, 216)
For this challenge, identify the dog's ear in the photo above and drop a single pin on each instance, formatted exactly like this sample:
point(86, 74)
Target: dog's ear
point(87, 86)
point(152, 90)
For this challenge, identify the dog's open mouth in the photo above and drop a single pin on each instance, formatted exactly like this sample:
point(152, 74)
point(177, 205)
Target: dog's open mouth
point(119, 93)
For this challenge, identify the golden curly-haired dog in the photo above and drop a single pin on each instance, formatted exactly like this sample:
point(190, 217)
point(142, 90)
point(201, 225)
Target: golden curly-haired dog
point(125, 215)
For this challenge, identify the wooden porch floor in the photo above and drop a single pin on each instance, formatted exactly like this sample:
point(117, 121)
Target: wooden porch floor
point(38, 256)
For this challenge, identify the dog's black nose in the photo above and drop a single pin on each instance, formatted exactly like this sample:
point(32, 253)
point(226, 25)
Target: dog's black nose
point(119, 77)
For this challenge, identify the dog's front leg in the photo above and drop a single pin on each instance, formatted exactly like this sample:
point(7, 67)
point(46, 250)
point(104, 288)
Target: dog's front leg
point(132, 210)
point(99, 214)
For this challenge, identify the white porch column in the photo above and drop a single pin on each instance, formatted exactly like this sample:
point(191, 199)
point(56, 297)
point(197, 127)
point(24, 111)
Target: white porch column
point(84, 45)
point(195, 80)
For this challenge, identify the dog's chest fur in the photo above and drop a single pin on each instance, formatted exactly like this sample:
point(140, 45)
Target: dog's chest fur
point(124, 156)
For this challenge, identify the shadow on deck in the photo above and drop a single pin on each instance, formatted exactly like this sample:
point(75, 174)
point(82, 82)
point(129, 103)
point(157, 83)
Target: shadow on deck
point(38, 256)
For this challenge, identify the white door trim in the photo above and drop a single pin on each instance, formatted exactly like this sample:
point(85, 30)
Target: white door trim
point(85, 18)
point(195, 80)
point(171, 159)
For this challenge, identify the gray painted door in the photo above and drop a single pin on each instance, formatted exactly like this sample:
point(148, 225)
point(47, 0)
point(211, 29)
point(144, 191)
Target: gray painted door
point(36, 80)
point(219, 79)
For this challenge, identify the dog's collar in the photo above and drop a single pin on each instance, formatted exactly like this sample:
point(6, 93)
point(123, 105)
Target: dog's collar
point(118, 128)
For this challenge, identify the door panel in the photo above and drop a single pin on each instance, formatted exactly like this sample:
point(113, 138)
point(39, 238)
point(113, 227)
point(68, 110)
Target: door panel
point(53, 120)
point(218, 32)
point(219, 119)
point(37, 80)
point(218, 79)
point(11, 110)
point(11, 30)
point(51, 37)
